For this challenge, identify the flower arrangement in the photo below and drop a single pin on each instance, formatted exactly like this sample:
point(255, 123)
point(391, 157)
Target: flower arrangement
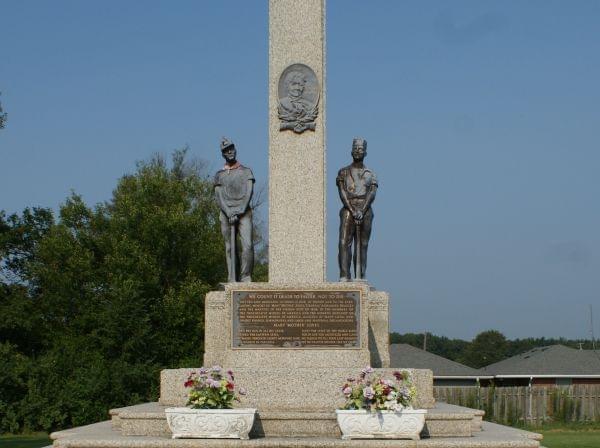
point(374, 393)
point(211, 389)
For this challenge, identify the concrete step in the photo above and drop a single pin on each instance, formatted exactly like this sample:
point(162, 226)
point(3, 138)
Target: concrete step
point(103, 435)
point(442, 421)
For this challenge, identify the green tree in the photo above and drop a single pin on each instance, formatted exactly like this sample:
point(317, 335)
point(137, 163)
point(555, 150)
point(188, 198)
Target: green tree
point(486, 348)
point(439, 345)
point(96, 301)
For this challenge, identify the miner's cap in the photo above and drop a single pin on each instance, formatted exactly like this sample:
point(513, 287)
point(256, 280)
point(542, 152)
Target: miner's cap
point(226, 143)
point(359, 141)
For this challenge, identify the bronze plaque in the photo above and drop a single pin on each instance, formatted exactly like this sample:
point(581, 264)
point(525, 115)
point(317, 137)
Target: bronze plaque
point(296, 319)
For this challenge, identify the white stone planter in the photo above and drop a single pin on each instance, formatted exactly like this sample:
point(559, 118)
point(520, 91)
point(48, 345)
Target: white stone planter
point(362, 424)
point(186, 423)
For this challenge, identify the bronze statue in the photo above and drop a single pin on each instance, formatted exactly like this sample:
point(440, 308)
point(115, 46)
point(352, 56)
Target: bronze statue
point(234, 186)
point(357, 186)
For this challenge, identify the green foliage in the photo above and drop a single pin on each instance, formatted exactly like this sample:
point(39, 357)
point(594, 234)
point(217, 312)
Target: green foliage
point(440, 345)
point(487, 347)
point(96, 301)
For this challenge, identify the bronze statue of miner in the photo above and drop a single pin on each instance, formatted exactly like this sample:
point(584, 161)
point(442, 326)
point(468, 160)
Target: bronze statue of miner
point(357, 186)
point(234, 185)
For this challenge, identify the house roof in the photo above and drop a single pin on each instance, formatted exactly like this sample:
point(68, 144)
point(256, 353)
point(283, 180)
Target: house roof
point(404, 355)
point(553, 360)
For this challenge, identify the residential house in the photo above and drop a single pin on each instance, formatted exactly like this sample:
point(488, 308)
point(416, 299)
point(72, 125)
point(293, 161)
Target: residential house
point(445, 371)
point(552, 365)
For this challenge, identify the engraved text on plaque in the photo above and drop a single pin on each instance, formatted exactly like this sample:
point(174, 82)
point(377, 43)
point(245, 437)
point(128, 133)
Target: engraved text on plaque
point(294, 319)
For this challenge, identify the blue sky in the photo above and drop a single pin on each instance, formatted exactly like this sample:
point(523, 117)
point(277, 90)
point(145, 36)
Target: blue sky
point(482, 119)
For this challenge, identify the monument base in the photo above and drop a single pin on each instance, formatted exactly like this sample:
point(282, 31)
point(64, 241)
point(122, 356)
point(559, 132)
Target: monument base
point(145, 426)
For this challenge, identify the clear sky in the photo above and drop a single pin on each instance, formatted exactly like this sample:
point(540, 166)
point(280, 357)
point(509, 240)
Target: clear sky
point(482, 119)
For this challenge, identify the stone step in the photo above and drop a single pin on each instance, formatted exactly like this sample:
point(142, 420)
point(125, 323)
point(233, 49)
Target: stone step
point(103, 435)
point(442, 421)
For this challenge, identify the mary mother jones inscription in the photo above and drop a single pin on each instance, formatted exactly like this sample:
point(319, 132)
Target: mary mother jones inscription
point(289, 319)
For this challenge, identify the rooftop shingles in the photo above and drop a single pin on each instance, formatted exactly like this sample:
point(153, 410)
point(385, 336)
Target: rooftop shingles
point(404, 355)
point(550, 360)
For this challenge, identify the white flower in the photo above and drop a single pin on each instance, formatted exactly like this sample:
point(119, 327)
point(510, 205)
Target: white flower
point(392, 405)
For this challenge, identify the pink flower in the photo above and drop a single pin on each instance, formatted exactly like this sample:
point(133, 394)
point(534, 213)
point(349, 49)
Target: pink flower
point(367, 370)
point(242, 391)
point(368, 393)
point(347, 391)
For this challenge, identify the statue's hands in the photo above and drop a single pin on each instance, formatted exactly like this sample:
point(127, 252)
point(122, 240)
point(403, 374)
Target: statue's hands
point(233, 219)
point(357, 215)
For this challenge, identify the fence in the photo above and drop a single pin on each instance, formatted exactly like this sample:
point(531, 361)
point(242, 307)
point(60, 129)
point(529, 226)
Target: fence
point(531, 405)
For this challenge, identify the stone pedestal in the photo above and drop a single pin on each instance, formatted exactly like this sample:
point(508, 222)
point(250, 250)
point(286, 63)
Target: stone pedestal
point(374, 333)
point(297, 387)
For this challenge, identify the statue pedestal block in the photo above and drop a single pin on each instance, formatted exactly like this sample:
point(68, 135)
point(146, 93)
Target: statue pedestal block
point(372, 347)
point(295, 386)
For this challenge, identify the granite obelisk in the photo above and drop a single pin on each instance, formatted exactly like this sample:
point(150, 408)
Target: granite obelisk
point(297, 181)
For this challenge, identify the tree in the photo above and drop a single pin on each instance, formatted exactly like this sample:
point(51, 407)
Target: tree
point(487, 348)
point(3, 116)
point(96, 301)
point(439, 345)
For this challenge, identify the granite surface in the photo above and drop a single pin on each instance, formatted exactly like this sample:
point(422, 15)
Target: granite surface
point(149, 419)
point(102, 435)
point(297, 180)
point(379, 328)
point(291, 389)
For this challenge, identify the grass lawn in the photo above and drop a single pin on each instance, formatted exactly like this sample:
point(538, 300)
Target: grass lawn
point(37, 440)
point(567, 438)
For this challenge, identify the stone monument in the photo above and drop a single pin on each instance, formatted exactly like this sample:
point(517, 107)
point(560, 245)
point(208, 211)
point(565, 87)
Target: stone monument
point(286, 333)
point(293, 341)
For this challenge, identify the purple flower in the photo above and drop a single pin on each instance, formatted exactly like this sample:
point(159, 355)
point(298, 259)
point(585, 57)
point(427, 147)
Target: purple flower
point(215, 369)
point(405, 393)
point(368, 393)
point(366, 370)
point(203, 371)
